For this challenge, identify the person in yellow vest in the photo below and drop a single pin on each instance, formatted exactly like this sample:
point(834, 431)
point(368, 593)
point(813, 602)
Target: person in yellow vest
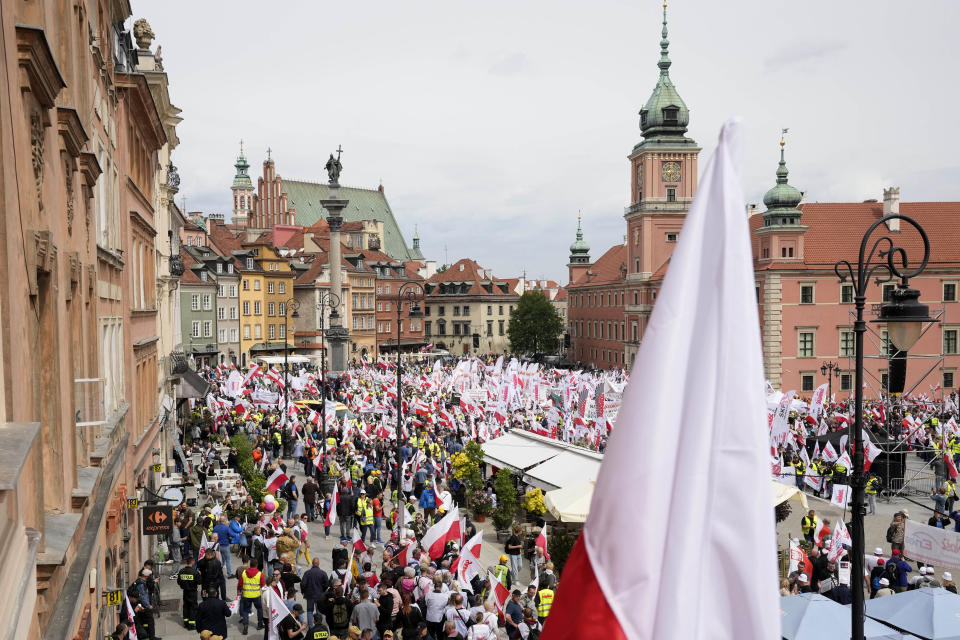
point(872, 488)
point(799, 469)
point(249, 587)
point(827, 478)
point(951, 487)
point(364, 515)
point(544, 601)
point(502, 572)
point(331, 443)
point(808, 525)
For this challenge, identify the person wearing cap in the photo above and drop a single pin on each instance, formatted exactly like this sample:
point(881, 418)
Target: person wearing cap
point(948, 582)
point(141, 587)
point(803, 583)
point(903, 568)
point(292, 626)
point(870, 561)
point(884, 589)
point(353, 632)
point(896, 531)
point(513, 615)
point(503, 573)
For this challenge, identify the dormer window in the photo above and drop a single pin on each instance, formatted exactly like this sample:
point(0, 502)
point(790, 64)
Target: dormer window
point(203, 276)
point(643, 118)
point(249, 263)
point(671, 115)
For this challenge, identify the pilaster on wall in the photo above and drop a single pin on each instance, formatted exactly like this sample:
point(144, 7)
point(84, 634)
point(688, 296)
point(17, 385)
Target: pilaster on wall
point(772, 330)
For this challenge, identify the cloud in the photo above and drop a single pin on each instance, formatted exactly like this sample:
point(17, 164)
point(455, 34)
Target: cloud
point(802, 53)
point(509, 65)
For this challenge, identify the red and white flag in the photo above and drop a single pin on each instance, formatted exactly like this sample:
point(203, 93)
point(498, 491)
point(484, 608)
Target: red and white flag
point(840, 496)
point(331, 516)
point(357, 541)
point(437, 536)
point(276, 480)
point(951, 468)
point(541, 542)
point(405, 555)
point(468, 563)
point(500, 593)
point(278, 611)
point(131, 617)
point(234, 606)
point(696, 395)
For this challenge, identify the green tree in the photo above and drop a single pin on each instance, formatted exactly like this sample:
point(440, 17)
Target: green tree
point(535, 325)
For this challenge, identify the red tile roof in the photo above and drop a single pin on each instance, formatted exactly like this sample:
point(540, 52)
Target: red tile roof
point(836, 230)
point(606, 270)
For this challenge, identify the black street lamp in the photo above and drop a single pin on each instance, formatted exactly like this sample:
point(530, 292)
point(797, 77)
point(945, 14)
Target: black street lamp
point(412, 292)
point(289, 311)
point(325, 300)
point(830, 369)
point(905, 317)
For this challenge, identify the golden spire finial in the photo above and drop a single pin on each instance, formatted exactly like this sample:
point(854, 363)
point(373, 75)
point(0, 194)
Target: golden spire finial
point(783, 136)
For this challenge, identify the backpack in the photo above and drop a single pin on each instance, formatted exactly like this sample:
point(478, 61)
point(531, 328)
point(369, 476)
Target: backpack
point(338, 614)
point(890, 531)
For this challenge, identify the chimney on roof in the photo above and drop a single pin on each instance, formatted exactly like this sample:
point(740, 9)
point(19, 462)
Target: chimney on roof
point(380, 188)
point(891, 205)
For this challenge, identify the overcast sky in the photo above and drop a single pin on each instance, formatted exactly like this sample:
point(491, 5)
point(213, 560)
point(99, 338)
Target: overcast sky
point(492, 123)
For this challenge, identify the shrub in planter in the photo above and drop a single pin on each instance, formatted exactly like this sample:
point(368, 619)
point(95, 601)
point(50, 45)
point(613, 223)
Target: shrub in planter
point(559, 547)
point(506, 500)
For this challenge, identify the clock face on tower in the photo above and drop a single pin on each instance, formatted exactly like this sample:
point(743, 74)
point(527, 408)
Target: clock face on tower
point(670, 171)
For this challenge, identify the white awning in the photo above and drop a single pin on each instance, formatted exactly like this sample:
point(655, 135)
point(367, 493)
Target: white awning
point(565, 469)
point(571, 503)
point(517, 453)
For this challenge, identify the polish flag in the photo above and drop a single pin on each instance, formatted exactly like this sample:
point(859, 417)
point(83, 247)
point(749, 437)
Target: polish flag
point(405, 555)
point(542, 541)
point(357, 541)
point(437, 536)
point(951, 468)
point(473, 546)
point(468, 565)
point(276, 480)
point(501, 594)
point(331, 516)
point(251, 374)
point(701, 353)
point(822, 531)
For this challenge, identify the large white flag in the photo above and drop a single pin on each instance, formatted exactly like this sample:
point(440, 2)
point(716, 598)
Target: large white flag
point(278, 611)
point(692, 444)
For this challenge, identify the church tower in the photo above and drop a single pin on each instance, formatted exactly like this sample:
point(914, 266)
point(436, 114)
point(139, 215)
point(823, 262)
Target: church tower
point(663, 181)
point(242, 191)
point(579, 256)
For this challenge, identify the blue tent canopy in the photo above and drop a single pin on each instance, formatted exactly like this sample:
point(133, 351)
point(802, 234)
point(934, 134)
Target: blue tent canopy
point(933, 614)
point(811, 616)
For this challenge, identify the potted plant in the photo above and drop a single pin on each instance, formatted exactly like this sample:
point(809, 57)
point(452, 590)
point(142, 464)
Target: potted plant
point(506, 502)
point(533, 504)
point(481, 504)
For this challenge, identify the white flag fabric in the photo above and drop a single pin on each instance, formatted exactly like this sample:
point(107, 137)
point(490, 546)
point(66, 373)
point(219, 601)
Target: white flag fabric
point(692, 443)
point(840, 496)
point(278, 611)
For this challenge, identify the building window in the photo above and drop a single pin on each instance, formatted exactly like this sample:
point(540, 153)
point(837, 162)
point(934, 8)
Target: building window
point(233, 313)
point(806, 382)
point(222, 291)
point(257, 332)
point(379, 289)
point(884, 381)
point(845, 382)
point(207, 302)
point(846, 293)
point(887, 291)
point(379, 306)
point(672, 237)
point(806, 294)
point(207, 329)
point(949, 292)
point(756, 292)
point(269, 287)
point(249, 263)
point(246, 285)
point(233, 335)
point(500, 327)
point(256, 307)
point(222, 335)
point(489, 309)
point(203, 276)
point(272, 331)
point(500, 311)
point(386, 305)
point(221, 313)
point(281, 287)
point(442, 309)
point(948, 379)
point(636, 265)
point(256, 285)
point(271, 309)
point(195, 302)
point(282, 309)
point(949, 341)
point(195, 328)
point(246, 307)
point(442, 328)
point(489, 328)
point(456, 328)
point(805, 344)
point(846, 344)
point(388, 327)
point(636, 331)
point(246, 332)
point(219, 267)
point(671, 194)
point(456, 310)
point(233, 291)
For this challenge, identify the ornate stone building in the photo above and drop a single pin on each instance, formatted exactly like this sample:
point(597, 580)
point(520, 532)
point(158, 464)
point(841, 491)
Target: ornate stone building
point(83, 196)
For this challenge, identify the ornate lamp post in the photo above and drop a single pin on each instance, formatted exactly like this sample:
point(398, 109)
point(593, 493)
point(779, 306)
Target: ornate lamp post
point(904, 316)
point(830, 369)
point(325, 300)
point(289, 311)
point(413, 293)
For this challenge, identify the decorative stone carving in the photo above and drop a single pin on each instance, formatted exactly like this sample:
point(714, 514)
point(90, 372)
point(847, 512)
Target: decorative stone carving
point(158, 59)
point(173, 177)
point(40, 75)
point(68, 170)
point(143, 34)
point(43, 259)
point(36, 145)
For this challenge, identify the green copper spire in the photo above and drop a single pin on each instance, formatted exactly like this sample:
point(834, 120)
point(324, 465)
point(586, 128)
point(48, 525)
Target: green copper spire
point(665, 115)
point(579, 250)
point(782, 200)
point(664, 63)
point(242, 178)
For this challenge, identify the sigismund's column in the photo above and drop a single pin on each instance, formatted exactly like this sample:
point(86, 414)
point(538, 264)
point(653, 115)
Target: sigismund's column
point(337, 335)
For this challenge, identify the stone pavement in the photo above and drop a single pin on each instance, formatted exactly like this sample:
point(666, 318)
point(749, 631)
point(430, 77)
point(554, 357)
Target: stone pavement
point(170, 622)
